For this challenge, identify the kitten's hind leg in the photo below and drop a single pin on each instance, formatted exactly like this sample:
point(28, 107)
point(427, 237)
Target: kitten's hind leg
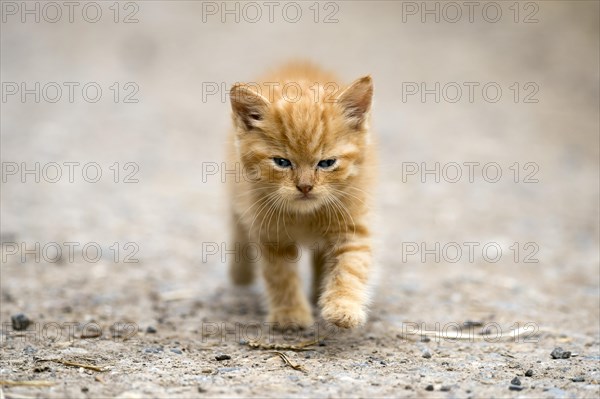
point(242, 265)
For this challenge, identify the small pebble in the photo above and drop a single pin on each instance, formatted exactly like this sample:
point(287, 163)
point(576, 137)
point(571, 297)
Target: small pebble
point(222, 357)
point(445, 388)
point(426, 354)
point(150, 330)
point(529, 373)
point(515, 381)
point(515, 388)
point(176, 350)
point(487, 331)
point(20, 322)
point(425, 338)
point(559, 353)
point(471, 323)
point(227, 369)
point(429, 387)
point(578, 379)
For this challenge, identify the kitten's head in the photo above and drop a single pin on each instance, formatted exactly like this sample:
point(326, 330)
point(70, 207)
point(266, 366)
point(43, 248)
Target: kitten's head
point(306, 149)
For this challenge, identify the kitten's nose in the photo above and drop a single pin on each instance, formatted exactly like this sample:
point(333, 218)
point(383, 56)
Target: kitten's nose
point(305, 188)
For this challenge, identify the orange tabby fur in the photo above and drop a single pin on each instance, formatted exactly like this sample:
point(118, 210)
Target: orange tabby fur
point(271, 211)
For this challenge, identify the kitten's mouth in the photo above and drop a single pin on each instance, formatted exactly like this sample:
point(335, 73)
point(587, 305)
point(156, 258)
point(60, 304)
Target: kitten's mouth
point(306, 197)
point(306, 203)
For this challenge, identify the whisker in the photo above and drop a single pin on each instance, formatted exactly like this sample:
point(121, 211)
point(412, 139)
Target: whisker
point(269, 199)
point(274, 207)
point(348, 194)
point(345, 209)
point(260, 200)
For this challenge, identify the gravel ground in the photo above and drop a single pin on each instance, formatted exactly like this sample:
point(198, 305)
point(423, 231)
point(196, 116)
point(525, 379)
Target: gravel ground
point(451, 315)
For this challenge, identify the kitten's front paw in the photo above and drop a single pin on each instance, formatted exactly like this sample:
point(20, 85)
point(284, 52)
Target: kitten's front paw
point(344, 313)
point(291, 318)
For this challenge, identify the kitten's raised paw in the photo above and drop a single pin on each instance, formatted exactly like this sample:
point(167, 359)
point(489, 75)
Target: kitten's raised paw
point(344, 314)
point(291, 318)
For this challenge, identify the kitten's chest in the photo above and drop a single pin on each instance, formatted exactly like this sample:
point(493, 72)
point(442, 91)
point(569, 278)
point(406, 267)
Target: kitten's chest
point(302, 229)
point(306, 234)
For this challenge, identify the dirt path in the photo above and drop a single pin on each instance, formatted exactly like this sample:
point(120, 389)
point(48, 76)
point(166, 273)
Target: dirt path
point(513, 255)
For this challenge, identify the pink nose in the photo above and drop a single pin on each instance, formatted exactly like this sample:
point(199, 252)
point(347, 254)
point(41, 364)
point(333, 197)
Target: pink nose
point(305, 188)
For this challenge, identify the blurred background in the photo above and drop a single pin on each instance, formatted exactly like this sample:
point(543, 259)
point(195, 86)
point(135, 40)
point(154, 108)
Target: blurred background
point(528, 104)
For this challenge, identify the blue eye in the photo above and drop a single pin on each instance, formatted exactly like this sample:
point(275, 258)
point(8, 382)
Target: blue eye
point(326, 163)
point(282, 162)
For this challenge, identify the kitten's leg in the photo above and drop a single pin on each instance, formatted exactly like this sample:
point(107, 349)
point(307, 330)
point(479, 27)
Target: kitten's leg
point(241, 267)
point(288, 306)
point(319, 270)
point(345, 295)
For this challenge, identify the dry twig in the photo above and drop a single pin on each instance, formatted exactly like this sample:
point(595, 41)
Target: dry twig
point(302, 346)
point(288, 362)
point(73, 364)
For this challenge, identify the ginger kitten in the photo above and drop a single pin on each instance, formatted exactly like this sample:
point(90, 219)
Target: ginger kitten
point(304, 146)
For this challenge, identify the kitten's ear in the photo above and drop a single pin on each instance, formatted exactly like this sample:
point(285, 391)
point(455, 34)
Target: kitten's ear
point(248, 106)
point(356, 101)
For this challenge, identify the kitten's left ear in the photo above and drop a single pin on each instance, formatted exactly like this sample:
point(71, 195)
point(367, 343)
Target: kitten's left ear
point(356, 101)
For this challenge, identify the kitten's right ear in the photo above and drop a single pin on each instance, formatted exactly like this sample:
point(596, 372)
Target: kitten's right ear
point(249, 107)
